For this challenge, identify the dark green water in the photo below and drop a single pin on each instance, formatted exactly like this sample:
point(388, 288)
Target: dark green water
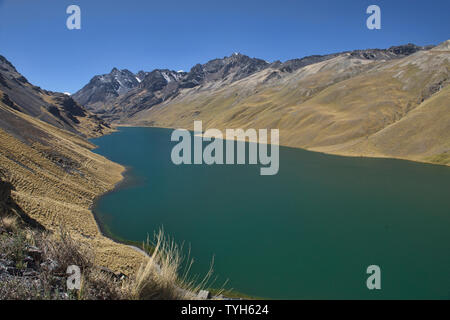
point(309, 232)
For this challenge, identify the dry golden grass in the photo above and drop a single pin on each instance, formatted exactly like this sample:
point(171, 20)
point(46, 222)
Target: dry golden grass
point(98, 285)
point(64, 249)
point(9, 223)
point(343, 106)
point(161, 277)
point(158, 278)
point(56, 179)
point(421, 135)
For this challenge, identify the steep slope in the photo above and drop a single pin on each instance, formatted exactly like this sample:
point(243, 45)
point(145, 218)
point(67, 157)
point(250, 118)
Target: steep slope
point(424, 133)
point(48, 173)
point(54, 108)
point(53, 178)
point(345, 105)
point(105, 88)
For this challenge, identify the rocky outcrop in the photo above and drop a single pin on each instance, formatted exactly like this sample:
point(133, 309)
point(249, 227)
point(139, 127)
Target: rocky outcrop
point(105, 96)
point(5, 195)
point(104, 88)
point(9, 207)
point(55, 108)
point(394, 52)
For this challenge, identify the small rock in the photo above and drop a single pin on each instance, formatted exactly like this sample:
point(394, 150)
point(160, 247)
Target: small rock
point(118, 276)
point(29, 261)
point(204, 295)
point(108, 272)
point(49, 265)
point(34, 252)
point(7, 263)
point(13, 271)
point(122, 276)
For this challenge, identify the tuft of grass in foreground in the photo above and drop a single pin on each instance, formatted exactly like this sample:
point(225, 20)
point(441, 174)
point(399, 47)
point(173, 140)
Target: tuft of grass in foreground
point(13, 248)
point(159, 278)
point(98, 285)
point(66, 251)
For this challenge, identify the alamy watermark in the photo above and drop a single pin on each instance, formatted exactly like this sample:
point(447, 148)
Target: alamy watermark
point(213, 152)
point(74, 20)
point(374, 280)
point(74, 277)
point(374, 20)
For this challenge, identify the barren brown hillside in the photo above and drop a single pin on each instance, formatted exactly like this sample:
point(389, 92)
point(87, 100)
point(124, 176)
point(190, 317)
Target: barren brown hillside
point(55, 108)
point(345, 105)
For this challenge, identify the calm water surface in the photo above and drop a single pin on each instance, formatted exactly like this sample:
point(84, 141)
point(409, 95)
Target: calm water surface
point(309, 232)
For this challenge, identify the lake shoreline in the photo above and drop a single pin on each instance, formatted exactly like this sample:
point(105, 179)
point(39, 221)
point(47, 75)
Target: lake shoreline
point(318, 150)
point(104, 230)
point(125, 181)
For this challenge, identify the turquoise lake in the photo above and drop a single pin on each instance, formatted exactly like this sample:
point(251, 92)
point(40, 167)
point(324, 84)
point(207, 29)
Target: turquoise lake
point(309, 232)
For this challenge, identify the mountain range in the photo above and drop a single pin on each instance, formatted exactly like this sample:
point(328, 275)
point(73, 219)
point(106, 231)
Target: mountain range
point(121, 94)
point(375, 102)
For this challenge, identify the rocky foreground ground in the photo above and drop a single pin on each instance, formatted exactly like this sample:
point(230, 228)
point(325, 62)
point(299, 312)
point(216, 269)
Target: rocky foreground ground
point(33, 266)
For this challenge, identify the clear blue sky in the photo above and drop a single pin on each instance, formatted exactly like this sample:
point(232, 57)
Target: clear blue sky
point(176, 34)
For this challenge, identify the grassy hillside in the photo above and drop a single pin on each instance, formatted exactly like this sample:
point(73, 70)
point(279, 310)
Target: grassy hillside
point(56, 178)
point(345, 105)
